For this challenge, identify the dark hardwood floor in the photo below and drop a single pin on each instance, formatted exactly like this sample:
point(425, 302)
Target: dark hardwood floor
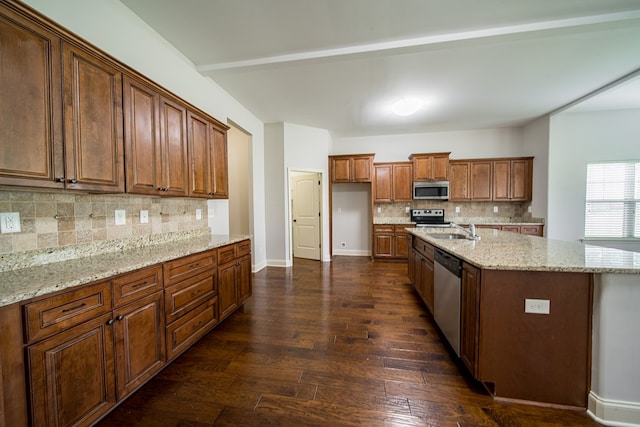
point(346, 343)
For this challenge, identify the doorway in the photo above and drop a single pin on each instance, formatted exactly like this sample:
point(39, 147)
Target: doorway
point(305, 201)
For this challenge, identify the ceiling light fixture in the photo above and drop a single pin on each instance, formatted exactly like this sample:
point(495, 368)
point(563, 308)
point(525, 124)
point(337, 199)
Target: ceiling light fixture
point(406, 106)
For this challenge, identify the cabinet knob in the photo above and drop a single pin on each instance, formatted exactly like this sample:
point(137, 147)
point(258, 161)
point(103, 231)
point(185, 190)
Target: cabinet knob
point(110, 322)
point(59, 179)
point(120, 317)
point(73, 181)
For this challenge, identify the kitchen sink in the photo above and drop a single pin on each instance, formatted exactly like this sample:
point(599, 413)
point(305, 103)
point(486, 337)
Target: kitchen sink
point(448, 236)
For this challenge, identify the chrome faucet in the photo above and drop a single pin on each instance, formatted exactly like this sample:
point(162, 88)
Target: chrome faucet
point(471, 231)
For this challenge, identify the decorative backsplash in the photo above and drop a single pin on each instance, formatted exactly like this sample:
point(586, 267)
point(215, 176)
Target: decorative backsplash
point(53, 220)
point(467, 209)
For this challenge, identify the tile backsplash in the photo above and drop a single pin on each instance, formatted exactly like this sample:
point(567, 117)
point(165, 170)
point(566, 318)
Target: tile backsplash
point(52, 220)
point(467, 209)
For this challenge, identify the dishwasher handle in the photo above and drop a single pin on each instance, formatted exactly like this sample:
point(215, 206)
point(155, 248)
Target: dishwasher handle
point(448, 261)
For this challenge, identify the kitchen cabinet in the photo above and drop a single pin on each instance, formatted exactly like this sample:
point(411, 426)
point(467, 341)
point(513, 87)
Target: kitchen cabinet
point(93, 124)
point(470, 180)
point(430, 166)
point(512, 179)
point(390, 241)
point(469, 317)
point(13, 386)
point(393, 182)
point(208, 153)
point(234, 276)
point(421, 264)
point(83, 356)
point(351, 168)
point(155, 140)
point(191, 299)
point(31, 130)
point(530, 229)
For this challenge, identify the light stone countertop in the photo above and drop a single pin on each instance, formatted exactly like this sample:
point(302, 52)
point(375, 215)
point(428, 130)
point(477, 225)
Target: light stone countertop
point(502, 250)
point(25, 283)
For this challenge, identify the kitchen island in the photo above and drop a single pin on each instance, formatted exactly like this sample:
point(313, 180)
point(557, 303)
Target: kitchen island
point(580, 353)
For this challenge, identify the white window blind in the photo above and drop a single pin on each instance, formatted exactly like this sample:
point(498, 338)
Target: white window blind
point(613, 200)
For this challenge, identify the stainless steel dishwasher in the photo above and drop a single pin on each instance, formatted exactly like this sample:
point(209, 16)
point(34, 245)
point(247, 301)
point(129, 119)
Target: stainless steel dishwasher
point(447, 274)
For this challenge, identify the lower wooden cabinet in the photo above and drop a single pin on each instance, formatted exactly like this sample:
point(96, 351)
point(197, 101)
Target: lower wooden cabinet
point(420, 268)
point(469, 317)
point(390, 241)
point(91, 346)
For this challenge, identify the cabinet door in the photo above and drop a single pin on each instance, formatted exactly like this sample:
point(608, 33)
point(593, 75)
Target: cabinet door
point(139, 342)
point(220, 172)
point(383, 236)
point(411, 271)
point(480, 180)
point(173, 137)
point(227, 289)
point(441, 167)
point(469, 321)
point(459, 179)
point(382, 190)
point(30, 104)
point(243, 273)
point(501, 180)
point(520, 180)
point(401, 248)
point(341, 169)
point(422, 168)
point(402, 182)
point(201, 156)
point(142, 138)
point(71, 375)
point(93, 122)
point(362, 168)
point(426, 267)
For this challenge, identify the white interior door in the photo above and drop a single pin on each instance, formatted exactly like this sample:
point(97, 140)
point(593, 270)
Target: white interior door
point(305, 213)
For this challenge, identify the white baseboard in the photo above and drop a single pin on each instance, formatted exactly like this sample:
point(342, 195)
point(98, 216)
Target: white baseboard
point(278, 263)
point(257, 267)
point(614, 413)
point(352, 252)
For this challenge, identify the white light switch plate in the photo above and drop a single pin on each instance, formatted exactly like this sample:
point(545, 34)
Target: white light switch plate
point(121, 217)
point(537, 306)
point(198, 214)
point(495, 209)
point(144, 217)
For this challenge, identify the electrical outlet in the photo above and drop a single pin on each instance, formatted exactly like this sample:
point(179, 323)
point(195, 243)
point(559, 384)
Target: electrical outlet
point(495, 209)
point(537, 306)
point(529, 209)
point(10, 222)
point(198, 214)
point(343, 244)
point(407, 209)
point(457, 209)
point(379, 210)
point(121, 217)
point(144, 217)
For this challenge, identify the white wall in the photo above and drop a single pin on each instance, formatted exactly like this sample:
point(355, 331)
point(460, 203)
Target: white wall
point(111, 26)
point(576, 139)
point(275, 191)
point(503, 142)
point(535, 137)
point(352, 219)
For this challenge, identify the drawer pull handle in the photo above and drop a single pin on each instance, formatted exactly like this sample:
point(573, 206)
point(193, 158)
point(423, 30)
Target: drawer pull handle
point(196, 265)
point(193, 294)
point(139, 284)
point(66, 310)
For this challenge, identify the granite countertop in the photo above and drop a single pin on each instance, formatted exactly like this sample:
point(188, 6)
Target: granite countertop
point(25, 283)
point(383, 220)
point(502, 250)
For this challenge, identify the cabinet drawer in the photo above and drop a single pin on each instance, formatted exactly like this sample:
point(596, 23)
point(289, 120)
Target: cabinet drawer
point(226, 254)
point(189, 328)
point(136, 285)
point(401, 228)
point(180, 269)
point(532, 230)
point(423, 248)
point(243, 248)
point(51, 315)
point(383, 228)
point(188, 294)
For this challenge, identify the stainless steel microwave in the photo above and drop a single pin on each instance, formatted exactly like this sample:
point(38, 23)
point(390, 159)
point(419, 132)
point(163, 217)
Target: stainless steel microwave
point(431, 190)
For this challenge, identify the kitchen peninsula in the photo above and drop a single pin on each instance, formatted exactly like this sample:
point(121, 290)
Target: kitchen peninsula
point(577, 351)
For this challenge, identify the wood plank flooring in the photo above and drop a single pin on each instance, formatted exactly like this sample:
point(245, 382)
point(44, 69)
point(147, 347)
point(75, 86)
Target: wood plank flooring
point(346, 343)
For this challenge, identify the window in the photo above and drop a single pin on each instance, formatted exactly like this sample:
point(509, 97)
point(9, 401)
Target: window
point(613, 200)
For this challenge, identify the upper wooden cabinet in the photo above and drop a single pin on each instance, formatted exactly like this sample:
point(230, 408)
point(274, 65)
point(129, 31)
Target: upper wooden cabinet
point(430, 166)
point(392, 182)
point(506, 179)
point(93, 138)
point(30, 104)
point(155, 141)
point(512, 179)
point(208, 153)
point(351, 168)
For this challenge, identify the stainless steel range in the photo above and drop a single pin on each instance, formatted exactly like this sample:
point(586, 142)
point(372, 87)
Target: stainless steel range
point(429, 218)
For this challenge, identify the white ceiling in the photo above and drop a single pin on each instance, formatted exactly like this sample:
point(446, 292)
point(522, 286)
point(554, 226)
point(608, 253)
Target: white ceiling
point(338, 64)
